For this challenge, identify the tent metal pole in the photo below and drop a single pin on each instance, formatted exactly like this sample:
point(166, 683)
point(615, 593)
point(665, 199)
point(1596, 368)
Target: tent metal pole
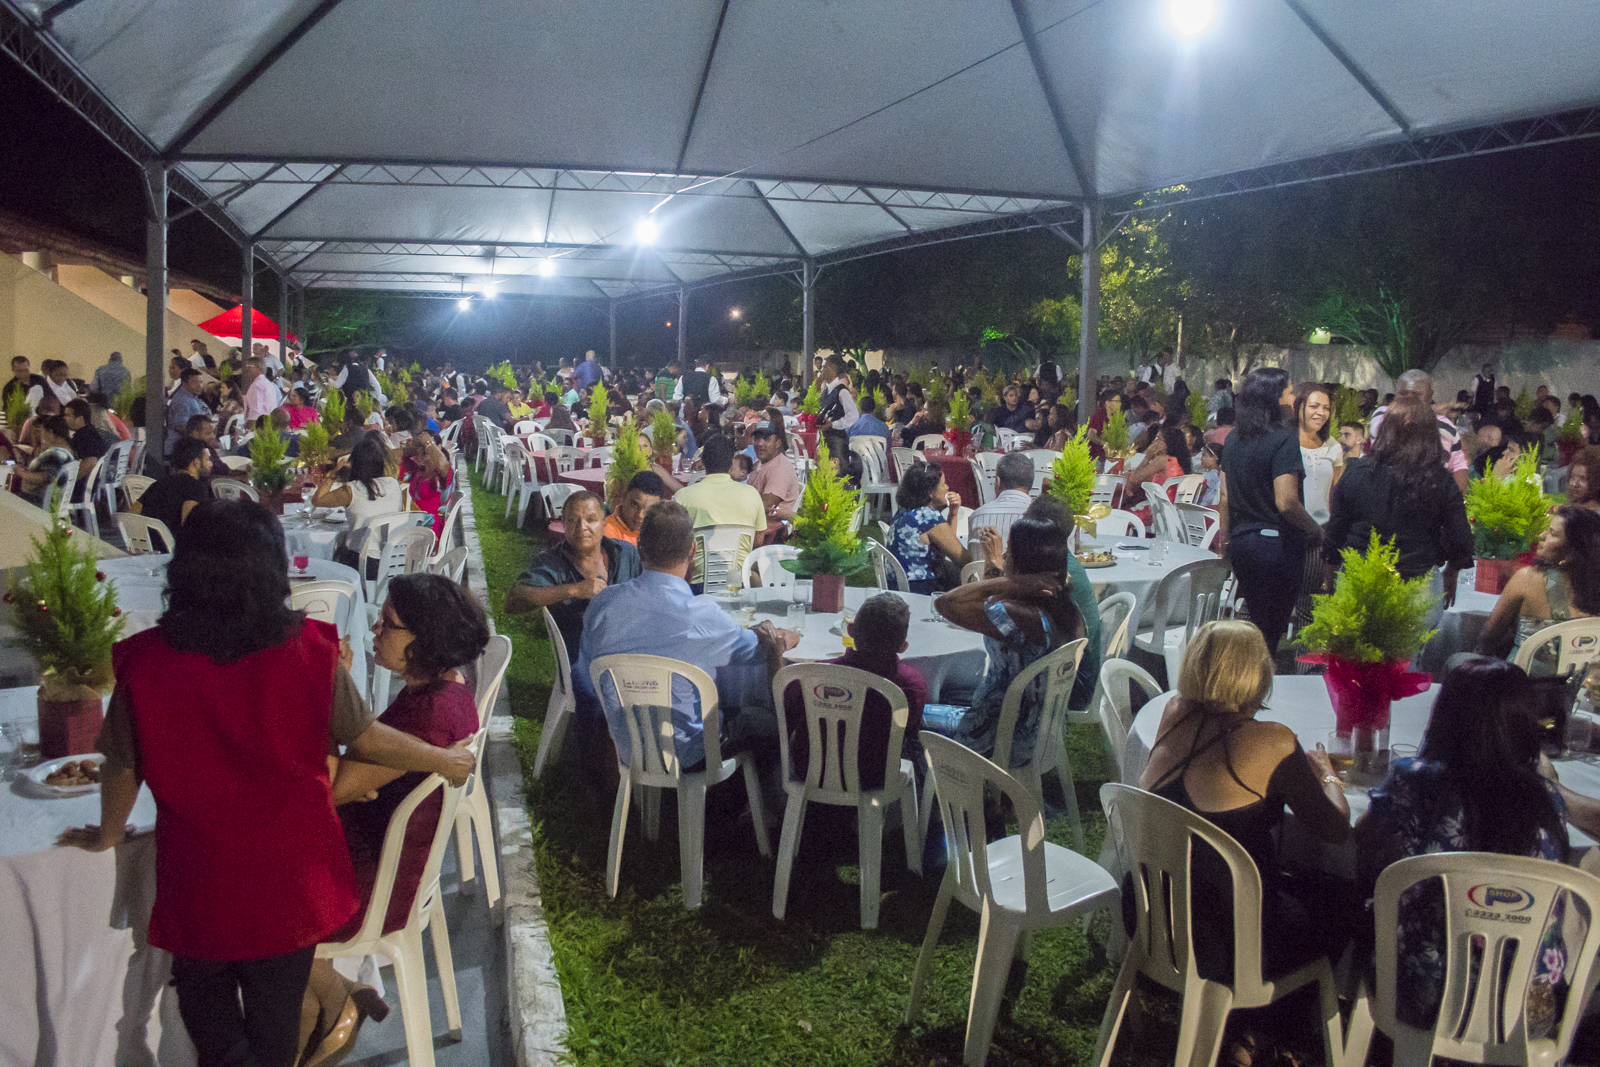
point(155, 316)
point(1089, 336)
point(683, 329)
point(283, 316)
point(611, 319)
point(247, 293)
point(808, 317)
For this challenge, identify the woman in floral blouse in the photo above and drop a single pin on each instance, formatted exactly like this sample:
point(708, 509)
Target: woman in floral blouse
point(1483, 729)
point(925, 526)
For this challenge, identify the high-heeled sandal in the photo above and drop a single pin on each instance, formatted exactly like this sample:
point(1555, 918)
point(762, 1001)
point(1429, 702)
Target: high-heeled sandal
point(338, 1041)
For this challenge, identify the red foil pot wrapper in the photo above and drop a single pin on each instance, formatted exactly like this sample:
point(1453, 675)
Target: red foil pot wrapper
point(1361, 693)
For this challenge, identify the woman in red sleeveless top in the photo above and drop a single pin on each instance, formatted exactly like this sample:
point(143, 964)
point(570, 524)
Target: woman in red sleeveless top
point(228, 709)
point(429, 627)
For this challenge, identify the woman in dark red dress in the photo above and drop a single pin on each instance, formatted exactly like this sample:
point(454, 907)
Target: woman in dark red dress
point(428, 629)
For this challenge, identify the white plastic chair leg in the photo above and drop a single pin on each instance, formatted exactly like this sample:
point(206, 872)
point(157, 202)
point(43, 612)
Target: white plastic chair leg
point(997, 945)
point(910, 820)
point(619, 829)
point(1070, 790)
point(1333, 1049)
point(464, 859)
point(691, 836)
point(1359, 1038)
point(930, 941)
point(758, 814)
point(551, 736)
point(1116, 1011)
point(442, 958)
point(411, 984)
point(1200, 1030)
point(869, 833)
point(794, 819)
point(483, 829)
point(650, 810)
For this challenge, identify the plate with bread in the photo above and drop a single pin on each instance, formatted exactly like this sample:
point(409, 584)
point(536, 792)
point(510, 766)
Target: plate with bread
point(1091, 560)
point(71, 776)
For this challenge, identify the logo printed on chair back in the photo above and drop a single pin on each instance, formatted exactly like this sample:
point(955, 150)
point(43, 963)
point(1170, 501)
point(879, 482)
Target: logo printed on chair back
point(1583, 643)
point(1064, 669)
point(639, 691)
point(1500, 903)
point(833, 696)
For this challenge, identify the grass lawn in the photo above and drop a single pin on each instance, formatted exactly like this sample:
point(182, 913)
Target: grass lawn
point(647, 982)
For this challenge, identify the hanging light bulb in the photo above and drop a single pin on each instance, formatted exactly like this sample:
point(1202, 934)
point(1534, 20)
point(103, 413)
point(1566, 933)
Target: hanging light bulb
point(464, 304)
point(1191, 18)
point(645, 231)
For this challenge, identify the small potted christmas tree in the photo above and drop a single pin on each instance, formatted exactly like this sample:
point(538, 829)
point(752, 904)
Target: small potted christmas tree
point(1116, 440)
point(627, 459)
point(958, 425)
point(1569, 438)
point(663, 437)
point(66, 616)
point(810, 406)
point(830, 550)
point(599, 412)
point(1507, 515)
point(270, 470)
point(1366, 632)
point(1072, 478)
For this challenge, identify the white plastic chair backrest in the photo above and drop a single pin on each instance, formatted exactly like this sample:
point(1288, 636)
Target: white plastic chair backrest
point(1190, 595)
point(719, 552)
point(230, 489)
point(66, 478)
point(963, 522)
point(1116, 621)
point(91, 481)
point(973, 572)
point(927, 441)
point(562, 438)
point(643, 686)
point(601, 455)
point(984, 483)
point(394, 843)
point(1049, 679)
point(989, 462)
point(448, 528)
point(136, 532)
point(1004, 439)
point(541, 442)
point(405, 552)
point(764, 561)
point(565, 457)
point(451, 433)
point(1164, 519)
point(1188, 489)
point(874, 466)
point(1120, 524)
point(835, 697)
point(320, 600)
point(419, 547)
point(541, 423)
point(887, 569)
point(904, 460)
point(1108, 489)
point(1154, 841)
point(1198, 522)
point(1043, 459)
point(558, 645)
point(1118, 708)
point(452, 565)
point(555, 495)
point(1578, 642)
point(1496, 909)
point(134, 485)
point(515, 455)
point(526, 426)
point(236, 463)
point(488, 673)
point(959, 776)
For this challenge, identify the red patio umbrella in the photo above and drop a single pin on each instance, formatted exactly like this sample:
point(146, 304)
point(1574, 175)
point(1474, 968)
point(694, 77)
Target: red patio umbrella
point(229, 325)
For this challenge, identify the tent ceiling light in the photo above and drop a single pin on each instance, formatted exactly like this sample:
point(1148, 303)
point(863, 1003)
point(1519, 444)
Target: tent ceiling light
point(645, 232)
point(464, 304)
point(546, 268)
point(1191, 18)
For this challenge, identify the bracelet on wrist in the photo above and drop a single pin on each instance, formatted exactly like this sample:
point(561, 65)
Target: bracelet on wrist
point(1333, 779)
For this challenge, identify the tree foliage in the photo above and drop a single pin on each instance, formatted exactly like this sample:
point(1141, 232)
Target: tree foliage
point(66, 614)
point(1508, 514)
point(1373, 615)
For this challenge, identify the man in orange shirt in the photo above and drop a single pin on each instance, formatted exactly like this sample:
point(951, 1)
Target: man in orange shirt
point(644, 489)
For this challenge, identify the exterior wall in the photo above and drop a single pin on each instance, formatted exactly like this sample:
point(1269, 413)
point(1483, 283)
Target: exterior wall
point(43, 320)
point(193, 308)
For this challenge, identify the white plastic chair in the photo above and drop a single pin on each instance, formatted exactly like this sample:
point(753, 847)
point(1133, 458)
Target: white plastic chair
point(719, 552)
point(1018, 884)
point(875, 481)
point(448, 528)
point(1188, 489)
point(926, 441)
point(230, 489)
point(118, 465)
point(973, 572)
point(1043, 460)
point(404, 946)
point(539, 441)
point(1165, 522)
point(1117, 707)
point(473, 817)
point(236, 463)
point(133, 486)
point(526, 426)
point(653, 762)
point(326, 601)
point(1120, 524)
point(765, 563)
point(886, 568)
point(137, 531)
point(1116, 624)
point(405, 552)
point(1173, 621)
point(91, 491)
point(562, 438)
point(1482, 1018)
point(1005, 440)
point(61, 490)
point(521, 477)
point(1108, 489)
point(553, 496)
point(1052, 676)
point(452, 565)
point(904, 460)
point(984, 482)
point(564, 458)
point(1154, 842)
point(989, 463)
point(562, 705)
point(1198, 523)
point(833, 773)
point(600, 455)
point(1578, 642)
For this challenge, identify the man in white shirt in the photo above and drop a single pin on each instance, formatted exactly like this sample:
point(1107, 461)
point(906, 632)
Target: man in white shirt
point(55, 381)
point(197, 357)
point(838, 407)
point(1169, 371)
point(1013, 482)
point(259, 395)
point(702, 385)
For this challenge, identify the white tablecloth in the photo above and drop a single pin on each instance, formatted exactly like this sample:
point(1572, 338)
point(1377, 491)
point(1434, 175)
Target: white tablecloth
point(941, 653)
point(312, 532)
point(1133, 572)
point(1301, 703)
point(80, 981)
point(1460, 627)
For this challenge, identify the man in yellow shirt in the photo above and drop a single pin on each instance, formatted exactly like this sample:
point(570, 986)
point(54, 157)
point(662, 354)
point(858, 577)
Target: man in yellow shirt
point(644, 489)
point(717, 499)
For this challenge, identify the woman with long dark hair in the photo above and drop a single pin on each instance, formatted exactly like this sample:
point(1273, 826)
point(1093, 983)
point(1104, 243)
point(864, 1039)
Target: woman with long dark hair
point(1022, 616)
point(1483, 730)
point(1563, 583)
point(362, 484)
point(1265, 525)
point(924, 529)
point(1407, 495)
point(228, 709)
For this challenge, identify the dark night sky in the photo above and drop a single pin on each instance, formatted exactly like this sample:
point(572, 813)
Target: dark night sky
point(58, 170)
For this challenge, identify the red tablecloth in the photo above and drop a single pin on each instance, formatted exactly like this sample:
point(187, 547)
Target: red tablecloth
point(957, 475)
point(807, 438)
point(544, 469)
point(590, 478)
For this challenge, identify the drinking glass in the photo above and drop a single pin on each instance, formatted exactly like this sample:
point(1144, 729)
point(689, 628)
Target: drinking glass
point(747, 603)
point(1341, 753)
point(1158, 552)
point(797, 618)
point(28, 750)
point(802, 594)
point(845, 621)
point(1578, 731)
point(301, 563)
point(10, 750)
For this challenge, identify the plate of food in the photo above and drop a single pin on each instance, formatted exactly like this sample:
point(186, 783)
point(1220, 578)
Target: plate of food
point(71, 776)
point(1091, 560)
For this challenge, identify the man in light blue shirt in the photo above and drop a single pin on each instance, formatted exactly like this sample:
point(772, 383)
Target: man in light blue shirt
point(1013, 482)
point(868, 422)
point(184, 405)
point(655, 614)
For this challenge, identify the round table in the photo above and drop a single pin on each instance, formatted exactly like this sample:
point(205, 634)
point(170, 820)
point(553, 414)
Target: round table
point(544, 466)
point(957, 475)
point(312, 532)
point(943, 654)
point(1301, 703)
point(72, 932)
point(1133, 573)
point(590, 478)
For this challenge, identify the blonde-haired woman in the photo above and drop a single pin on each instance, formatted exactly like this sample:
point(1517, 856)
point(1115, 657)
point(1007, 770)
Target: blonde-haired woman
point(1212, 757)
